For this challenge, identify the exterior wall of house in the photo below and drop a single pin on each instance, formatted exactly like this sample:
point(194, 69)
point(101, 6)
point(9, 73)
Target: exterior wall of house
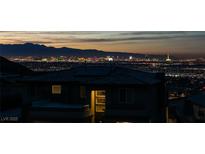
point(199, 113)
point(10, 95)
point(193, 112)
point(70, 93)
point(141, 101)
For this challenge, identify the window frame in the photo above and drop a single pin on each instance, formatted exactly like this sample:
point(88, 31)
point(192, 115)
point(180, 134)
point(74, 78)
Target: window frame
point(54, 91)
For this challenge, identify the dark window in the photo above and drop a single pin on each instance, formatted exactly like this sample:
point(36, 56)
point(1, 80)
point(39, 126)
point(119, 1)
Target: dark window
point(188, 109)
point(82, 92)
point(201, 113)
point(123, 95)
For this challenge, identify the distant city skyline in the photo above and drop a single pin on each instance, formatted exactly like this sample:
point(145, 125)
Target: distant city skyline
point(177, 43)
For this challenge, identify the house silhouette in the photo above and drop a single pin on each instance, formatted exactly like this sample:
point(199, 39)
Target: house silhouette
point(95, 93)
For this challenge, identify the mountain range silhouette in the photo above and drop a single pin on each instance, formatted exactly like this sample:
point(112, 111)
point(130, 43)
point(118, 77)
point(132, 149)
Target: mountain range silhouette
point(30, 49)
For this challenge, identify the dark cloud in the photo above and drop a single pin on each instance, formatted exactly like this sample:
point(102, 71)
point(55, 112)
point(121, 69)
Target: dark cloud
point(103, 36)
point(146, 36)
point(152, 32)
point(39, 42)
point(121, 39)
point(167, 34)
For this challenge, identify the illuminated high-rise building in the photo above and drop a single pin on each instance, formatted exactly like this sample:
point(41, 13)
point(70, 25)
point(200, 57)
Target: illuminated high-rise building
point(168, 59)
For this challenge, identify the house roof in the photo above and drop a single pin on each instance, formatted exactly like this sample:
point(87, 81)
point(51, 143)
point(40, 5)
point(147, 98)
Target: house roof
point(98, 75)
point(198, 99)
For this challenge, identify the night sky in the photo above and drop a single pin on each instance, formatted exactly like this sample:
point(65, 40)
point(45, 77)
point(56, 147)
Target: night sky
point(178, 43)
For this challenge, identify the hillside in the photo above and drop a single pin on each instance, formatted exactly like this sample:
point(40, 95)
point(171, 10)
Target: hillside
point(8, 67)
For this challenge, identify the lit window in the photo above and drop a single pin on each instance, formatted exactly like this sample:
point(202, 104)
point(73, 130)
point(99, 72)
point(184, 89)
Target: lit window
point(100, 100)
point(100, 93)
point(56, 89)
